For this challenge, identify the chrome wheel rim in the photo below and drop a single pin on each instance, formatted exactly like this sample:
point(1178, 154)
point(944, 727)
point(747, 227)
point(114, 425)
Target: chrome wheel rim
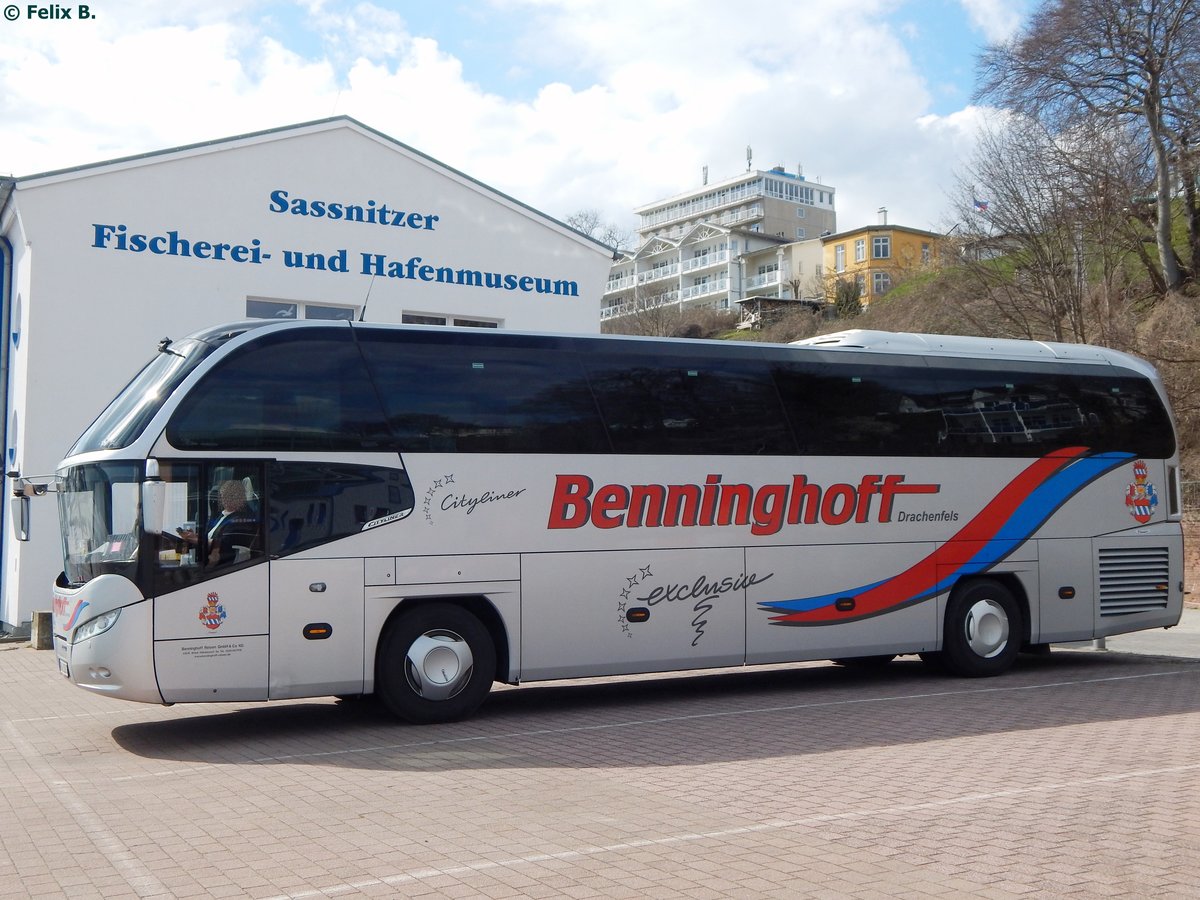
point(987, 629)
point(438, 665)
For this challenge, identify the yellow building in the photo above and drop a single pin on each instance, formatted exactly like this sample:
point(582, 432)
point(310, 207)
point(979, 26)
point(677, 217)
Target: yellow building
point(877, 257)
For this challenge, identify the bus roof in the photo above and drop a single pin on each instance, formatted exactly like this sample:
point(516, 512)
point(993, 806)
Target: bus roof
point(857, 339)
point(961, 345)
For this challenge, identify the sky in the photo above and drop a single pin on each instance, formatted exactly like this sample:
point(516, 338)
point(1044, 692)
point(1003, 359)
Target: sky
point(564, 105)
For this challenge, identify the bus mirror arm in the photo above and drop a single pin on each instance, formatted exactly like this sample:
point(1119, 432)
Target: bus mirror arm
point(32, 485)
point(24, 488)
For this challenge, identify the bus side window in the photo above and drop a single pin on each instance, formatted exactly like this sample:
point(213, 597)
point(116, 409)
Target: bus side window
point(312, 503)
point(878, 409)
point(234, 526)
point(685, 404)
point(452, 393)
point(301, 391)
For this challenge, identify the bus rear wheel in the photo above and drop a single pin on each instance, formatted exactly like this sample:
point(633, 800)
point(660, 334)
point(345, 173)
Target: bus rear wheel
point(983, 630)
point(436, 664)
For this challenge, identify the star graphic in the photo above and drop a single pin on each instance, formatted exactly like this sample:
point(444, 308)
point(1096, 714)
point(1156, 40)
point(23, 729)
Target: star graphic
point(437, 484)
point(645, 571)
point(449, 479)
point(625, 593)
point(632, 580)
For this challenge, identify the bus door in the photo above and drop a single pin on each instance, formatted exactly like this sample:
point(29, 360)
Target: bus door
point(318, 596)
point(316, 627)
point(210, 584)
point(835, 601)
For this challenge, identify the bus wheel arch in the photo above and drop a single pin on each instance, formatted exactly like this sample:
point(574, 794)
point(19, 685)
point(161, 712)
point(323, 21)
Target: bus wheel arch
point(437, 658)
point(985, 626)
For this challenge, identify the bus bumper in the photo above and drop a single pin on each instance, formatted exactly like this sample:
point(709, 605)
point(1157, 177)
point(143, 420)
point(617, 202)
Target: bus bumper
point(118, 662)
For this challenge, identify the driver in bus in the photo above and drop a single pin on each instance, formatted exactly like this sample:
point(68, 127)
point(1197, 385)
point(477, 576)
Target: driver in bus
point(232, 534)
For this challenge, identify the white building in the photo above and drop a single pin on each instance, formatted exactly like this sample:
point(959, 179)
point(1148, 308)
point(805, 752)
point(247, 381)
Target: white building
point(320, 220)
point(716, 246)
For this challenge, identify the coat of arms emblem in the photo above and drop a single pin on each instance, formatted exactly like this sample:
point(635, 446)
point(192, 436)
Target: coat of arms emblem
point(1141, 498)
point(212, 614)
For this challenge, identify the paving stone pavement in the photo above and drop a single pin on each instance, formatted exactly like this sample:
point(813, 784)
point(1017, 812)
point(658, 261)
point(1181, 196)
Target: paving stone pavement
point(1075, 775)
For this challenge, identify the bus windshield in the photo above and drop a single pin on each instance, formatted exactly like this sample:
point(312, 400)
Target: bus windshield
point(98, 506)
point(120, 424)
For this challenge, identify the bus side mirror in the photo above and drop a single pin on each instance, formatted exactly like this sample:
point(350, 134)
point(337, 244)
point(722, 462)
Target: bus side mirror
point(154, 504)
point(22, 513)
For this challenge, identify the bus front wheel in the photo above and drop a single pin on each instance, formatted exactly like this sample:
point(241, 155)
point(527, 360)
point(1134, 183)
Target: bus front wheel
point(983, 630)
point(436, 664)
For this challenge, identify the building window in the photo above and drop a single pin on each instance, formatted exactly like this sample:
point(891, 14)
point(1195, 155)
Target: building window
point(860, 250)
point(881, 247)
point(318, 311)
point(257, 308)
point(475, 323)
point(800, 212)
point(800, 233)
point(860, 282)
point(270, 309)
point(839, 258)
point(926, 253)
point(883, 282)
point(418, 319)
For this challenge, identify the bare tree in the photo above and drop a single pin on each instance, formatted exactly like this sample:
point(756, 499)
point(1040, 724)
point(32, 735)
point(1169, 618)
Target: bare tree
point(1132, 61)
point(591, 223)
point(1053, 251)
point(652, 311)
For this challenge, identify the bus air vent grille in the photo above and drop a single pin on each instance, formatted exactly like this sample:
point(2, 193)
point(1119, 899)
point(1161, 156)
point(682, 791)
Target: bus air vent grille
point(1134, 580)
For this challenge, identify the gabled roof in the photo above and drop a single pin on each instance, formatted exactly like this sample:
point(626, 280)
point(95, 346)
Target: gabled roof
point(654, 246)
point(862, 229)
point(287, 131)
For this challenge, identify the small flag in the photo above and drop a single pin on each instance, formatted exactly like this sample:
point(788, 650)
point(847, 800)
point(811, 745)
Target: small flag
point(981, 206)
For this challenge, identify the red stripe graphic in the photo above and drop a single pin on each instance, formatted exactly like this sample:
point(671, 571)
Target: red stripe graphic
point(958, 550)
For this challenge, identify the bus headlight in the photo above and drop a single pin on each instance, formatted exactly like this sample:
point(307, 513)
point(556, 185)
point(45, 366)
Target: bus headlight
point(98, 625)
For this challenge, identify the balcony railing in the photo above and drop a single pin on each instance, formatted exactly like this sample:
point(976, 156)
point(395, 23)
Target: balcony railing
point(703, 290)
point(706, 259)
point(701, 205)
point(617, 310)
point(740, 215)
point(658, 274)
point(757, 281)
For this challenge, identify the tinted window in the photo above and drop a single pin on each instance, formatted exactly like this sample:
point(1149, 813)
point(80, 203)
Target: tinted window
point(947, 409)
point(444, 395)
point(299, 390)
point(851, 409)
point(311, 503)
point(655, 401)
point(1030, 412)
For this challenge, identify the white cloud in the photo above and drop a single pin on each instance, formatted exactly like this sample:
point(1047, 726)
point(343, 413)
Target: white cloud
point(645, 95)
point(997, 19)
